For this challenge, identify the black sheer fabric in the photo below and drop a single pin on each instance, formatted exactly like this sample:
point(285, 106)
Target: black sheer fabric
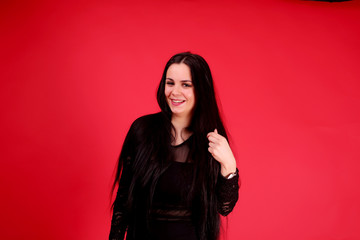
point(171, 211)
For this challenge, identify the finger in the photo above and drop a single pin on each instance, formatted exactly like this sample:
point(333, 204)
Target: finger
point(212, 145)
point(215, 135)
point(210, 150)
point(212, 134)
point(213, 139)
point(216, 131)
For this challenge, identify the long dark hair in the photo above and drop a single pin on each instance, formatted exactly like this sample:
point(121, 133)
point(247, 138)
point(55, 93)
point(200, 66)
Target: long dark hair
point(153, 134)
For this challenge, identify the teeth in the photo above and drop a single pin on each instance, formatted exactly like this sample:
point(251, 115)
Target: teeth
point(177, 101)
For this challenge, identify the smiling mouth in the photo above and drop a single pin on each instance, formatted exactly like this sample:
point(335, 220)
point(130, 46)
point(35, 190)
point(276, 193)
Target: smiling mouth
point(177, 102)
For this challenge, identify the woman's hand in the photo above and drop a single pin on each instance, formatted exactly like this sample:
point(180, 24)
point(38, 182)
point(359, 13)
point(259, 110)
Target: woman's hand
point(221, 151)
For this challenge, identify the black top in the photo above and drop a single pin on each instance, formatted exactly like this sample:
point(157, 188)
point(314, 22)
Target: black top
point(171, 209)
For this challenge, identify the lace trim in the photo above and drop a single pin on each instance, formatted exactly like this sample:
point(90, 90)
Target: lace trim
point(171, 214)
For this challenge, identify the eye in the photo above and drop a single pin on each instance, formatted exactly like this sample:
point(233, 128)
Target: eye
point(187, 85)
point(169, 83)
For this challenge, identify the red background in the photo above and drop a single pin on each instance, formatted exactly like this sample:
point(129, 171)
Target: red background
point(75, 75)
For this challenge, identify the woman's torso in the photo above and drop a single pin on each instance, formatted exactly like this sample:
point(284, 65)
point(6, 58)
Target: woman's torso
point(171, 208)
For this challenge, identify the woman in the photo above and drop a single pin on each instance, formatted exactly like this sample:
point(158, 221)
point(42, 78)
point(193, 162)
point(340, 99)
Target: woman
point(176, 172)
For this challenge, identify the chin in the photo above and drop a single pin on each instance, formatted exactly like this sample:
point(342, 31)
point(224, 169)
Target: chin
point(177, 112)
point(180, 113)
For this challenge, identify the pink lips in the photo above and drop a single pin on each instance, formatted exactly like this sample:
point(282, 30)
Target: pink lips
point(177, 103)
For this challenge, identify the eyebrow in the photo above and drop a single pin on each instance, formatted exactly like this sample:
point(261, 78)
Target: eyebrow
point(180, 80)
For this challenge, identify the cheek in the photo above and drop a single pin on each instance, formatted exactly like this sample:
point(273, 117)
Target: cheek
point(190, 95)
point(167, 92)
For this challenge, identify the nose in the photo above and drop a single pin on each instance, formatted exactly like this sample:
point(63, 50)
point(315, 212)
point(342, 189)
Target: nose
point(176, 90)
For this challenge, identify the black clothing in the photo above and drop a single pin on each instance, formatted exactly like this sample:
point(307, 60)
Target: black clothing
point(170, 215)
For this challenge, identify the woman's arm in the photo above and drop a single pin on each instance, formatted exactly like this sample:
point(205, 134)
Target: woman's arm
point(227, 192)
point(119, 220)
point(120, 217)
point(226, 189)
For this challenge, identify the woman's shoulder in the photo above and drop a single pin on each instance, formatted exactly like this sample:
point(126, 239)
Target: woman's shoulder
point(147, 128)
point(146, 124)
point(148, 119)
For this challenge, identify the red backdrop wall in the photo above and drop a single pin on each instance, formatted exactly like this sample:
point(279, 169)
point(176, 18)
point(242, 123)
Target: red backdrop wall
point(75, 75)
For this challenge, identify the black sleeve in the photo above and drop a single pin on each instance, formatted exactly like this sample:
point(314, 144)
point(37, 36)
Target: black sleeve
point(227, 191)
point(120, 217)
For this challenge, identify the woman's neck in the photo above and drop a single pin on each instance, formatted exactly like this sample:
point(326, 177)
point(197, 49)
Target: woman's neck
point(180, 124)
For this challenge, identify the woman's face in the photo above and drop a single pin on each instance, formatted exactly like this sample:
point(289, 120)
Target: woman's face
point(179, 90)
